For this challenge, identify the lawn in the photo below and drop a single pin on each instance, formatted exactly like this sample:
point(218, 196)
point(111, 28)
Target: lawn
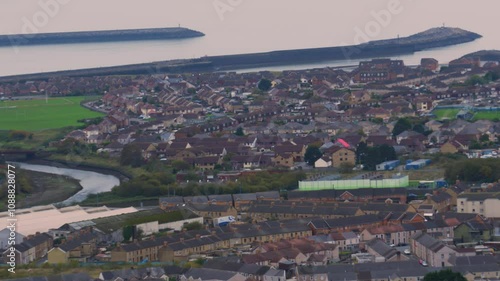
point(486, 115)
point(446, 113)
point(39, 114)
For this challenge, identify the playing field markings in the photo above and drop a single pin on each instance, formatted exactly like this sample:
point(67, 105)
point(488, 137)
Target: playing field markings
point(44, 104)
point(69, 101)
point(22, 113)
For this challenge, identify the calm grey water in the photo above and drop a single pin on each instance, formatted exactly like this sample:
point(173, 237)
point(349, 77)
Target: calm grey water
point(231, 27)
point(91, 182)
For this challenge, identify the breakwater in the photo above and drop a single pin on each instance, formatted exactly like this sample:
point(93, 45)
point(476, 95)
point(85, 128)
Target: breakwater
point(98, 36)
point(432, 38)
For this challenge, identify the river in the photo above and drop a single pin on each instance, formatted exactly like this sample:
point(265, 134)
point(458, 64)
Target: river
point(91, 182)
point(233, 27)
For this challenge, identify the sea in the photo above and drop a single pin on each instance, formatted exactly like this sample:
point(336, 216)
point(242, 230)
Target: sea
point(233, 27)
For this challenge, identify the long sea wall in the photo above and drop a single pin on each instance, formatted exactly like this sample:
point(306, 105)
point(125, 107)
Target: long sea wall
point(432, 38)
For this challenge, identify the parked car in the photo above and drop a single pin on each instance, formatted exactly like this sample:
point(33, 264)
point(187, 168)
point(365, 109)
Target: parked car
point(407, 252)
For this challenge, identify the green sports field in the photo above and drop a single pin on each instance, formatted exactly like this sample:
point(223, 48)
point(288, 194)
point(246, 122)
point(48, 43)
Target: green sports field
point(486, 115)
point(39, 114)
point(446, 113)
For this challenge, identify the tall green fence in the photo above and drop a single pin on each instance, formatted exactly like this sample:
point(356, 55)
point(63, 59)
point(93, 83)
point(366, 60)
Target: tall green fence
point(402, 181)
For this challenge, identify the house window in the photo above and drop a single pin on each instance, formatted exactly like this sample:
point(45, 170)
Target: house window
point(473, 210)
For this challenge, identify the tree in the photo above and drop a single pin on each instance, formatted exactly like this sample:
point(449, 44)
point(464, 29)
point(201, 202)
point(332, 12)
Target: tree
point(154, 165)
point(361, 152)
point(484, 138)
point(419, 128)
point(66, 146)
point(492, 75)
point(158, 88)
point(239, 132)
point(473, 170)
point(361, 132)
point(180, 165)
point(476, 80)
point(193, 226)
point(485, 171)
point(312, 154)
point(401, 125)
point(128, 232)
point(264, 85)
point(164, 178)
point(371, 159)
point(474, 144)
point(131, 155)
point(444, 275)
point(371, 156)
point(387, 153)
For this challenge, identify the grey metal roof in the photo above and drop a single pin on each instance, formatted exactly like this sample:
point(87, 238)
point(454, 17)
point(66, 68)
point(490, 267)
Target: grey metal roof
point(381, 248)
point(428, 241)
point(209, 274)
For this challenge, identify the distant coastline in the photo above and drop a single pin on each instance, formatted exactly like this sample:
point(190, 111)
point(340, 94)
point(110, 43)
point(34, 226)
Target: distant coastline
point(99, 36)
point(493, 55)
point(432, 38)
